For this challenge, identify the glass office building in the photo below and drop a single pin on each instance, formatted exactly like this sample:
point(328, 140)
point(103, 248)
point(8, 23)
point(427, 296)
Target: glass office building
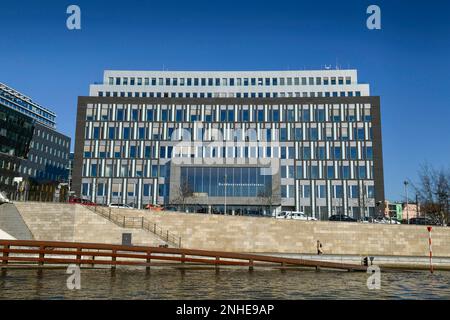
point(16, 132)
point(323, 150)
point(17, 101)
point(44, 160)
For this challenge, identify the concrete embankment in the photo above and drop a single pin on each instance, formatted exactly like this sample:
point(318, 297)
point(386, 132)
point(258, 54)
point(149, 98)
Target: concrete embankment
point(250, 234)
point(390, 244)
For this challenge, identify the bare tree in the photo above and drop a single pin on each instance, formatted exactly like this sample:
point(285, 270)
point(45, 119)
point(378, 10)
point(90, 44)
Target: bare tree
point(268, 197)
point(184, 192)
point(433, 192)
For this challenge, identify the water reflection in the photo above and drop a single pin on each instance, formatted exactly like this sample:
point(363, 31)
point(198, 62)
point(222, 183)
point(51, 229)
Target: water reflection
point(166, 283)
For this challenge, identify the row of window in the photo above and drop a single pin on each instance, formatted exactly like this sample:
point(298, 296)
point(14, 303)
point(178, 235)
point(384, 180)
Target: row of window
point(327, 172)
point(337, 192)
point(25, 107)
point(35, 145)
point(287, 191)
point(282, 152)
point(224, 114)
point(311, 94)
point(272, 81)
point(65, 143)
point(44, 161)
point(142, 170)
point(299, 133)
point(39, 174)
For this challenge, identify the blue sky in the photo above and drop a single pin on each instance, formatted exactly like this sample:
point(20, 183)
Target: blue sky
point(406, 62)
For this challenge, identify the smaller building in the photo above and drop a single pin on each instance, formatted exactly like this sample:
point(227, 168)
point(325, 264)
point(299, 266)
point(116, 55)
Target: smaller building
point(399, 210)
point(46, 166)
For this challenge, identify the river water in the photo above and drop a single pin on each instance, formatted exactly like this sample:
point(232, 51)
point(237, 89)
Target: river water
point(168, 283)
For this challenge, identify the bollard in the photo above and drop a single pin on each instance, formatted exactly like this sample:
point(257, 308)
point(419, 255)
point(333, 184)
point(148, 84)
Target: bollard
point(430, 248)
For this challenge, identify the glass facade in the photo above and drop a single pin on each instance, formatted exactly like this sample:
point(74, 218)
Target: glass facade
point(15, 100)
point(16, 132)
point(227, 181)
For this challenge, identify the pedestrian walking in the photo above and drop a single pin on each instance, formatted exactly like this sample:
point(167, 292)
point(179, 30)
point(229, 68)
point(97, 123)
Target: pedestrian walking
point(319, 247)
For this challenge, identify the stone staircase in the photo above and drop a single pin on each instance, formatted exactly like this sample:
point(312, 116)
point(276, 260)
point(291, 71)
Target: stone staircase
point(12, 222)
point(130, 219)
point(75, 223)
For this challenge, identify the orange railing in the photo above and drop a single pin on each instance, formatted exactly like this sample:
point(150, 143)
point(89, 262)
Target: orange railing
point(40, 253)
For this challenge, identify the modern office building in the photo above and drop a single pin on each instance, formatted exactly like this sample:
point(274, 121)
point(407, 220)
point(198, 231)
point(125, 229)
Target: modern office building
point(16, 132)
point(45, 164)
point(251, 142)
point(19, 102)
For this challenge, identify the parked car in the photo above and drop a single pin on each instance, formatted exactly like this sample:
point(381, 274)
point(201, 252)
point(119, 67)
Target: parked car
point(3, 198)
point(297, 215)
point(393, 221)
point(282, 215)
point(171, 209)
point(341, 217)
point(367, 220)
point(423, 221)
point(294, 215)
point(83, 202)
point(120, 206)
point(154, 207)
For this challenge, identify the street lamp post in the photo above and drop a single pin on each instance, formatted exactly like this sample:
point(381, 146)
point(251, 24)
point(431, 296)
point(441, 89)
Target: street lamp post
point(225, 209)
point(406, 195)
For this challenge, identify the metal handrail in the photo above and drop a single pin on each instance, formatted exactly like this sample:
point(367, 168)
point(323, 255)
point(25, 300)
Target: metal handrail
point(137, 223)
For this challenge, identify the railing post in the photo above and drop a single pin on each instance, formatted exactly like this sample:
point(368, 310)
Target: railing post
point(113, 260)
point(217, 262)
point(250, 268)
point(149, 260)
point(5, 254)
point(41, 256)
point(79, 257)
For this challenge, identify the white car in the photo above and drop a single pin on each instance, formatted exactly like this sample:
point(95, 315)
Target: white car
point(282, 215)
point(3, 198)
point(120, 206)
point(294, 215)
point(297, 215)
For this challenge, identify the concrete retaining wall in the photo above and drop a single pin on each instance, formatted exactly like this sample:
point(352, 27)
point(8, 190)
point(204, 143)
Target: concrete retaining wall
point(247, 234)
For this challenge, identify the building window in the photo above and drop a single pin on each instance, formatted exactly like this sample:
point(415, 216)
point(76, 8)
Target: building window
point(353, 191)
